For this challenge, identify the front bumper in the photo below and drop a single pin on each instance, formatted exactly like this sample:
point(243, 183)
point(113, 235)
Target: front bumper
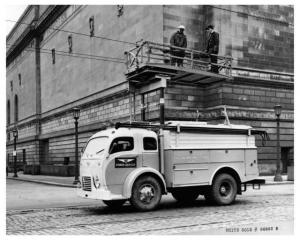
point(101, 193)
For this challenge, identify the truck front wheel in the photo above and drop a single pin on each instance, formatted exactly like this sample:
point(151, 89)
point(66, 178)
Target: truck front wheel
point(146, 193)
point(223, 190)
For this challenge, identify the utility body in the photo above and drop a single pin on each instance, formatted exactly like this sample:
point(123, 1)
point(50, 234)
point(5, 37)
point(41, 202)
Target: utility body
point(141, 161)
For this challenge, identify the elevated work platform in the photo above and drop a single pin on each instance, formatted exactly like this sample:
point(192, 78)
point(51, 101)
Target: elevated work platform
point(149, 59)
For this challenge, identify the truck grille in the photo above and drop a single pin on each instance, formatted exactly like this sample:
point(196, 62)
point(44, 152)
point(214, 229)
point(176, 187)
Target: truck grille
point(86, 184)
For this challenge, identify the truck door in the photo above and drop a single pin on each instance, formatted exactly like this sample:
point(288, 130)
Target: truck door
point(123, 159)
point(150, 153)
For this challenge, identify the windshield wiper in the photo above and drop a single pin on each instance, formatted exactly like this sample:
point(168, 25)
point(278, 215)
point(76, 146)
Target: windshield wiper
point(100, 151)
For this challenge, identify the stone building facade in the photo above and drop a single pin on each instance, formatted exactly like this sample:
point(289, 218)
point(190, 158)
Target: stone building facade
point(60, 57)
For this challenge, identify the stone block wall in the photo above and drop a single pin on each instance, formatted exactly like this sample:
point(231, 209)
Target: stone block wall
point(192, 17)
point(184, 97)
point(64, 146)
point(256, 96)
point(31, 152)
point(102, 62)
point(23, 67)
point(259, 36)
point(256, 36)
point(27, 130)
point(95, 113)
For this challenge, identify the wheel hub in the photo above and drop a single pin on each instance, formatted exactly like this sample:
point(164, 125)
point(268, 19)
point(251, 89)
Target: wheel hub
point(223, 190)
point(146, 193)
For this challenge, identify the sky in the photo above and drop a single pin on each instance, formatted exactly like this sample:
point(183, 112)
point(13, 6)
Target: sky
point(12, 12)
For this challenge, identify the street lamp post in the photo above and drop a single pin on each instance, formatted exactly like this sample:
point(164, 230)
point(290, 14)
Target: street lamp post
point(76, 114)
point(278, 177)
point(15, 134)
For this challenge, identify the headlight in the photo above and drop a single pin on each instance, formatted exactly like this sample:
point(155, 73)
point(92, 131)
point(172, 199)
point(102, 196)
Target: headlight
point(96, 182)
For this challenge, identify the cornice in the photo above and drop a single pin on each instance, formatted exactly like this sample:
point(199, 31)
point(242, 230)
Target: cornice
point(37, 26)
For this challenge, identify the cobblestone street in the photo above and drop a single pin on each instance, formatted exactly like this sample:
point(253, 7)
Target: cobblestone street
point(266, 210)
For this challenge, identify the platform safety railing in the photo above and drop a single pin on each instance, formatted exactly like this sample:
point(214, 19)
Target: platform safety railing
point(149, 52)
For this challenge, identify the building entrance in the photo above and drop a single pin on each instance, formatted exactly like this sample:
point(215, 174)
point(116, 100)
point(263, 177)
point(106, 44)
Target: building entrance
point(287, 158)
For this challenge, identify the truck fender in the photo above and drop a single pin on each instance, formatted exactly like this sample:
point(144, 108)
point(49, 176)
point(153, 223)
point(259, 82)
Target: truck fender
point(130, 179)
point(223, 166)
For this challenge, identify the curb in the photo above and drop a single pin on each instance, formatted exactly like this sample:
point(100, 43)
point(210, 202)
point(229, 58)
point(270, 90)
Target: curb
point(280, 183)
point(43, 182)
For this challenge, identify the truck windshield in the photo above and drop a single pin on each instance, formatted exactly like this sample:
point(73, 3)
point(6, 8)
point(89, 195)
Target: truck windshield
point(95, 146)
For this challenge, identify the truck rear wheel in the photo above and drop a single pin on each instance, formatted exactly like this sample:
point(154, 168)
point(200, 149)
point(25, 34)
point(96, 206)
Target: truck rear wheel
point(114, 203)
point(185, 196)
point(223, 190)
point(146, 193)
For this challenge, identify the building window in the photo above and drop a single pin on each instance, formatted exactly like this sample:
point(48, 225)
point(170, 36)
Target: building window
point(8, 112)
point(20, 79)
point(92, 26)
point(16, 108)
point(70, 43)
point(11, 86)
point(53, 55)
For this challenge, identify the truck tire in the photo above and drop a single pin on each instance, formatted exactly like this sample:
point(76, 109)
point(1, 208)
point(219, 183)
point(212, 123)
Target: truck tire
point(146, 193)
point(114, 203)
point(185, 196)
point(223, 190)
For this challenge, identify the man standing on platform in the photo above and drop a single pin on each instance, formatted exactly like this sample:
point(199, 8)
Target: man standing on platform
point(213, 48)
point(178, 39)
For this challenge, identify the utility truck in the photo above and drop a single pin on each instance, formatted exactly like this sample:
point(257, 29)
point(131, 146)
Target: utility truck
point(140, 162)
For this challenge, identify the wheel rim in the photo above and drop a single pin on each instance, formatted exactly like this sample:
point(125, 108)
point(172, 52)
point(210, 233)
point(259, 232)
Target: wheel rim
point(146, 193)
point(225, 189)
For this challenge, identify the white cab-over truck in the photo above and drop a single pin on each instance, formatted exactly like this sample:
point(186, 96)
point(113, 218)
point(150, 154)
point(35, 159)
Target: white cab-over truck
point(141, 161)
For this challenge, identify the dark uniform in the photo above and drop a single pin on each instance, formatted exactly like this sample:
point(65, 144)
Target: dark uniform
point(178, 39)
point(213, 48)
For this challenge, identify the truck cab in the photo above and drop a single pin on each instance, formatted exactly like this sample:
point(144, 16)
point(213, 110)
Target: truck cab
point(113, 158)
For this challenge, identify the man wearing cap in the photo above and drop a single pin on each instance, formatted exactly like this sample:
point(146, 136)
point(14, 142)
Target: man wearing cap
point(178, 39)
point(213, 47)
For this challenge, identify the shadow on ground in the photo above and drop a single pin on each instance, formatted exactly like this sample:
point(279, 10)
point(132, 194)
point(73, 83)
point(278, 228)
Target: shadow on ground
point(163, 206)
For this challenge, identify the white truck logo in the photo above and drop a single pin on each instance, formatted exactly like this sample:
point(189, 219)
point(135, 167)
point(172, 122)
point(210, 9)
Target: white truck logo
point(125, 162)
point(142, 161)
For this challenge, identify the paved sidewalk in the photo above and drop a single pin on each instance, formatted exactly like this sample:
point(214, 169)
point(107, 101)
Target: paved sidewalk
point(270, 180)
point(43, 179)
point(68, 181)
